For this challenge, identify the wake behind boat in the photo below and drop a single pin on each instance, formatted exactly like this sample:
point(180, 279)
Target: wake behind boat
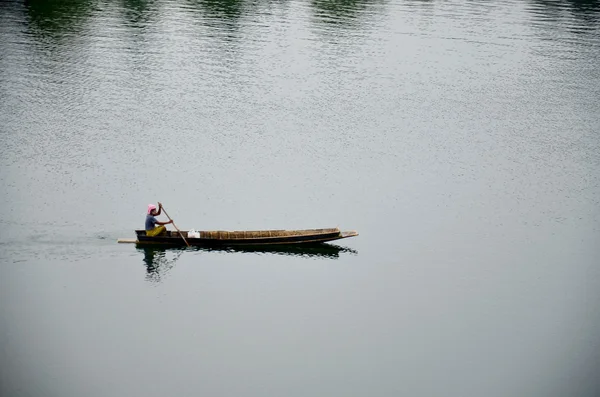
point(221, 238)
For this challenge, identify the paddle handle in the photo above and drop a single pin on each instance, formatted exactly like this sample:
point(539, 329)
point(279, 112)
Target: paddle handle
point(175, 226)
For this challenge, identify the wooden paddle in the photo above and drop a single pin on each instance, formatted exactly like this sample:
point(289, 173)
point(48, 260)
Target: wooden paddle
point(175, 226)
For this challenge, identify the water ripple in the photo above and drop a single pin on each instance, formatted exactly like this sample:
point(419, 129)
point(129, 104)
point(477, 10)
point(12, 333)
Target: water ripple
point(109, 99)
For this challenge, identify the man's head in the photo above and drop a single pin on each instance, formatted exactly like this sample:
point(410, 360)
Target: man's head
point(151, 209)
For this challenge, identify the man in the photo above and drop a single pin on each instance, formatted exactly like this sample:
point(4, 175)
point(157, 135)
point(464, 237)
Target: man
point(151, 229)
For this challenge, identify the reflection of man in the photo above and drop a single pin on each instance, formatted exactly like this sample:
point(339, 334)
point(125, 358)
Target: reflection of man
point(151, 229)
point(154, 259)
point(149, 260)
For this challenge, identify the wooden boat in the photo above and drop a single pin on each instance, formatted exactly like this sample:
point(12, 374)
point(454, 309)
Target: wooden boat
point(220, 238)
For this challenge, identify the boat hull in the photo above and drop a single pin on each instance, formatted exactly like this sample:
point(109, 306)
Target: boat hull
point(246, 238)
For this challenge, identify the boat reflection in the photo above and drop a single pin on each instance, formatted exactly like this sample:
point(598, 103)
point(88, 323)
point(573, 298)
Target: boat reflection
point(160, 259)
point(329, 251)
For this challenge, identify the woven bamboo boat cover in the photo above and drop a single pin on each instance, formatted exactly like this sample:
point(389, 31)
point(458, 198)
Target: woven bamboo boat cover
point(226, 235)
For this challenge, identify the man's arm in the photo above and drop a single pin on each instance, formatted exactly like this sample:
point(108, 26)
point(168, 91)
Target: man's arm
point(159, 209)
point(163, 223)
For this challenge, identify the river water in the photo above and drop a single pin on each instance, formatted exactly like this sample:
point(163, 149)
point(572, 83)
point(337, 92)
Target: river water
point(459, 138)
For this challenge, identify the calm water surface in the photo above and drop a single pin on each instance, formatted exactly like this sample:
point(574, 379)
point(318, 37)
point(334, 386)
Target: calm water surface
point(461, 139)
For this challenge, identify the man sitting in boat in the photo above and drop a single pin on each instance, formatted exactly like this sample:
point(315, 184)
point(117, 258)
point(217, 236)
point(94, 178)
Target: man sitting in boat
point(151, 229)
